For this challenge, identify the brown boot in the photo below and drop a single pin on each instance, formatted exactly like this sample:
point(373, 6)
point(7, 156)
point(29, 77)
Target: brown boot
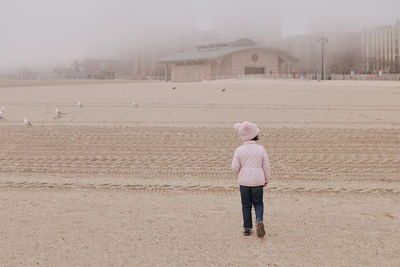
point(260, 229)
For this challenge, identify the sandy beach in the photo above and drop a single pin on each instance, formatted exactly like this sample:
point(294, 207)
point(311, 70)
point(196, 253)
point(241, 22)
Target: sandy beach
point(110, 184)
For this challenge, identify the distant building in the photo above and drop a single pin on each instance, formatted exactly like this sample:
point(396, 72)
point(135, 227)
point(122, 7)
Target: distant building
point(381, 48)
point(342, 52)
point(263, 25)
point(96, 69)
point(103, 68)
point(70, 74)
point(305, 48)
point(226, 60)
point(26, 74)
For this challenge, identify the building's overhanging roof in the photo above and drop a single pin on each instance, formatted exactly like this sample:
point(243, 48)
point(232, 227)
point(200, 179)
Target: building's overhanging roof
point(220, 52)
point(231, 43)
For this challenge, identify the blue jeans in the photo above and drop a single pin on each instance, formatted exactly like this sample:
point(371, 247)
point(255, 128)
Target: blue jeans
point(251, 196)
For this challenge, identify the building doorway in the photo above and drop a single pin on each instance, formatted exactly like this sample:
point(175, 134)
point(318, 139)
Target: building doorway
point(254, 70)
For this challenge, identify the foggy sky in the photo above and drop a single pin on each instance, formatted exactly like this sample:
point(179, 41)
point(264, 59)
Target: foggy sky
point(38, 33)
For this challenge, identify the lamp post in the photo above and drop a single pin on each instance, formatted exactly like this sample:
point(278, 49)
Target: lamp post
point(323, 41)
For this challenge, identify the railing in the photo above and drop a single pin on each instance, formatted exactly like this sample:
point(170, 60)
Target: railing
point(273, 76)
point(319, 77)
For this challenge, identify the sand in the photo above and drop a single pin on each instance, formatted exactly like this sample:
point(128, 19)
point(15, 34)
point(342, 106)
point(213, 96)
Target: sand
point(110, 184)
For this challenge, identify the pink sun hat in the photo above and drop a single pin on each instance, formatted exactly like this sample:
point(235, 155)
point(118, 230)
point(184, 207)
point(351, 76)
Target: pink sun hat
point(247, 130)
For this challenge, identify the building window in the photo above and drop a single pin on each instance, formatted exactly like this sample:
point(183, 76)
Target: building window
point(254, 57)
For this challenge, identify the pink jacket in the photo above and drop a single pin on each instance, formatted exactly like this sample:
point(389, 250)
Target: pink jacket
point(251, 164)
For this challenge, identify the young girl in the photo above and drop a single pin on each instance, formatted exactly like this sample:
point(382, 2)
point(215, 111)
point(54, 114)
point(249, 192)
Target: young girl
point(251, 164)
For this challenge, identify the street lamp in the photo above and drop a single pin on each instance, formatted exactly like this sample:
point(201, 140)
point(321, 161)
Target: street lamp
point(323, 41)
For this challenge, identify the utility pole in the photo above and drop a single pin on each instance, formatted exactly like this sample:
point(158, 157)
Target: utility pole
point(323, 41)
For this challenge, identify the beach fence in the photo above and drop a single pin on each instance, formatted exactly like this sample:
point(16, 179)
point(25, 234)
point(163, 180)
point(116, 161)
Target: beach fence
point(292, 76)
point(319, 77)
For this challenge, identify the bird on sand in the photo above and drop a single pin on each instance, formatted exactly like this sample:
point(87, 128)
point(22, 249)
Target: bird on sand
point(134, 104)
point(27, 123)
point(59, 112)
point(2, 116)
point(79, 104)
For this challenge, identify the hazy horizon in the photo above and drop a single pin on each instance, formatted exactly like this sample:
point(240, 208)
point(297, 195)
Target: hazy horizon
point(44, 32)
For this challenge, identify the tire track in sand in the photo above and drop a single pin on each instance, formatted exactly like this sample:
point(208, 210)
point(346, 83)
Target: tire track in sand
point(43, 186)
point(295, 154)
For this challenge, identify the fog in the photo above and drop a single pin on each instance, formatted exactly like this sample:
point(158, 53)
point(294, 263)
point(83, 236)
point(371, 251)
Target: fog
point(42, 33)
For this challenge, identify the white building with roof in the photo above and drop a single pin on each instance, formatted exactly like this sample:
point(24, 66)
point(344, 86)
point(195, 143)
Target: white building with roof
point(229, 59)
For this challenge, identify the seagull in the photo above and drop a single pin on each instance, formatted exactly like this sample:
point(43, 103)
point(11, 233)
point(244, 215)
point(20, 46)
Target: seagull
point(1, 116)
point(134, 104)
point(1, 108)
point(59, 112)
point(79, 104)
point(27, 123)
